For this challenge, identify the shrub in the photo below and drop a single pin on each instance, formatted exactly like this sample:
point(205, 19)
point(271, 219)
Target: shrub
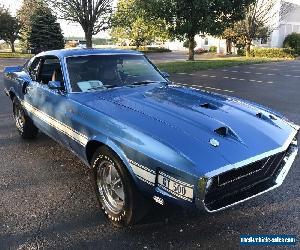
point(154, 49)
point(292, 41)
point(200, 51)
point(213, 49)
point(14, 55)
point(273, 52)
point(241, 52)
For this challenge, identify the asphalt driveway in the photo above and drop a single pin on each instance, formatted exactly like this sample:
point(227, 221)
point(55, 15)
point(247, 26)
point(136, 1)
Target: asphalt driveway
point(47, 199)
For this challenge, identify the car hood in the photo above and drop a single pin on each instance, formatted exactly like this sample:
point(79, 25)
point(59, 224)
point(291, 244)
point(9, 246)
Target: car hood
point(197, 124)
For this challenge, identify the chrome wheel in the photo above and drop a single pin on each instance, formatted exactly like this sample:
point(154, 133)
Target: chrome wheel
point(110, 186)
point(19, 117)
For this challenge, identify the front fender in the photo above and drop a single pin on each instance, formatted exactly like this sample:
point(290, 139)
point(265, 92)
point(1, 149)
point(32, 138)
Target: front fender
point(102, 139)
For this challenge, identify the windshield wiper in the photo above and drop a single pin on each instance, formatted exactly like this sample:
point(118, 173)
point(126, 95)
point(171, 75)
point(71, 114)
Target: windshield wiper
point(143, 83)
point(104, 87)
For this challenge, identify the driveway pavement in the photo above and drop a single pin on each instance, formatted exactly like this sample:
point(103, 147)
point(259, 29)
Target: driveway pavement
point(47, 200)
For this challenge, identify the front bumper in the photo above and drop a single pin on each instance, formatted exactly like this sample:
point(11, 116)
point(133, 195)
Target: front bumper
point(6, 92)
point(229, 198)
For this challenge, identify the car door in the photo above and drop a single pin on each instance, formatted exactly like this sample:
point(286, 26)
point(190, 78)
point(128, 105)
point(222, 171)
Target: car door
point(47, 105)
point(29, 92)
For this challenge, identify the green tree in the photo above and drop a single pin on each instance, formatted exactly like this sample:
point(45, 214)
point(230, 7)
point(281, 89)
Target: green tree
point(130, 22)
point(45, 33)
point(258, 22)
point(24, 16)
point(92, 15)
point(9, 28)
point(185, 19)
point(232, 37)
point(292, 41)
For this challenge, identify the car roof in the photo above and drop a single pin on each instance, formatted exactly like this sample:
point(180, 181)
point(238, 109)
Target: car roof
point(81, 52)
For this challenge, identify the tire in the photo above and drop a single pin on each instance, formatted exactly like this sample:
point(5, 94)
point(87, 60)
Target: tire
point(121, 209)
point(24, 124)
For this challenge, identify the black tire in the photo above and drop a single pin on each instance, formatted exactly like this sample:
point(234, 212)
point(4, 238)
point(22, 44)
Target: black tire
point(134, 204)
point(24, 124)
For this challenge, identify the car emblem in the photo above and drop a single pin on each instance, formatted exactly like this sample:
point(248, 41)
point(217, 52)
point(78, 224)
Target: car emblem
point(214, 142)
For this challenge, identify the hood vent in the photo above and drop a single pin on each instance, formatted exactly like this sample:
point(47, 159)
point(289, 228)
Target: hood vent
point(208, 106)
point(227, 132)
point(265, 117)
point(222, 131)
point(268, 118)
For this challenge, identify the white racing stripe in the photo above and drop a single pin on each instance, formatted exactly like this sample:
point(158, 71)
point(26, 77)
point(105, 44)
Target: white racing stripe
point(168, 183)
point(63, 128)
point(143, 173)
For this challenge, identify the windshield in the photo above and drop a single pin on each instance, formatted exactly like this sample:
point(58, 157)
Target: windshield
point(98, 72)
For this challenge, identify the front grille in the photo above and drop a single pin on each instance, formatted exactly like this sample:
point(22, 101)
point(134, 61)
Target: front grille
point(238, 184)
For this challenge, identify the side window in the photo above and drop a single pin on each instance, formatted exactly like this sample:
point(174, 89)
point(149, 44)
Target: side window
point(206, 41)
point(34, 68)
point(50, 70)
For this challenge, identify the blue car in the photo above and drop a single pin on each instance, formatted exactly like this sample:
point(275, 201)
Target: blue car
point(147, 139)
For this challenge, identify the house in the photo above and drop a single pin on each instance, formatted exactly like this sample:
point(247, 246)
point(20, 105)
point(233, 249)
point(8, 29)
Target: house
point(286, 24)
point(282, 24)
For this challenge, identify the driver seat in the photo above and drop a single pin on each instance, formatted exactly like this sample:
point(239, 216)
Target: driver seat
point(57, 75)
point(110, 75)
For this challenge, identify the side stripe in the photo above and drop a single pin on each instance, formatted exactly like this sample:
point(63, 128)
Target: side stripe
point(65, 129)
point(145, 174)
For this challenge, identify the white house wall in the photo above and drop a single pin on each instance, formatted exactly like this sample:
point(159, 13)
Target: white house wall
point(290, 23)
point(212, 41)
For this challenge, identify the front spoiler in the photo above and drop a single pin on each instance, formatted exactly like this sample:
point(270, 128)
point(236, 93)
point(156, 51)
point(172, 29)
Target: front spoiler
point(287, 163)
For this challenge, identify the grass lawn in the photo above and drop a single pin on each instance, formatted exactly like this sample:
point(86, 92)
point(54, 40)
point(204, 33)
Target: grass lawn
point(190, 66)
point(14, 55)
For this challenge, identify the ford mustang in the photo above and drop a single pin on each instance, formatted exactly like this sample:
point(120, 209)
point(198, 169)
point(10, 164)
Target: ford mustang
point(147, 139)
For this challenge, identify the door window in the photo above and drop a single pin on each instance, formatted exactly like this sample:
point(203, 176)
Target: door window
point(50, 71)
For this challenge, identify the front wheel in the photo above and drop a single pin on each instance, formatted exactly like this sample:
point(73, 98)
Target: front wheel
point(24, 124)
point(119, 199)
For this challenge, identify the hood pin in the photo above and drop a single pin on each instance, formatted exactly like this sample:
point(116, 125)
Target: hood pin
point(214, 142)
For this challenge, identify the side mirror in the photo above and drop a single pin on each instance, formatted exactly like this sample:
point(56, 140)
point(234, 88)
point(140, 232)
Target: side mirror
point(165, 74)
point(55, 85)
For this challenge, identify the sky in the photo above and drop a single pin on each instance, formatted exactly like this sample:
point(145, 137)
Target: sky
point(69, 29)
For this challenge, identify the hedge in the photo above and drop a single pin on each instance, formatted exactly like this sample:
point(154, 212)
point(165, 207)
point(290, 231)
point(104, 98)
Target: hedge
point(273, 52)
point(15, 55)
point(200, 51)
point(213, 49)
point(292, 41)
point(153, 49)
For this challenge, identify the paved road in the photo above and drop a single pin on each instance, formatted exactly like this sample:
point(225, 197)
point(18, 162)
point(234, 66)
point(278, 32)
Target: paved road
point(47, 199)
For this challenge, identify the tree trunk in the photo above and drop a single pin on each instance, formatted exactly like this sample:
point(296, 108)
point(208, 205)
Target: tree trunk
point(229, 46)
point(191, 48)
point(88, 39)
point(137, 44)
point(12, 46)
point(248, 49)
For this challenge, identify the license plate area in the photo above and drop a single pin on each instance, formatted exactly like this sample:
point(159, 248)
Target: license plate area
point(175, 186)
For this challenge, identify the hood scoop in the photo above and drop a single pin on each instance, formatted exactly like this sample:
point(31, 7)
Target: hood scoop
point(265, 117)
point(268, 118)
point(227, 132)
point(208, 106)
